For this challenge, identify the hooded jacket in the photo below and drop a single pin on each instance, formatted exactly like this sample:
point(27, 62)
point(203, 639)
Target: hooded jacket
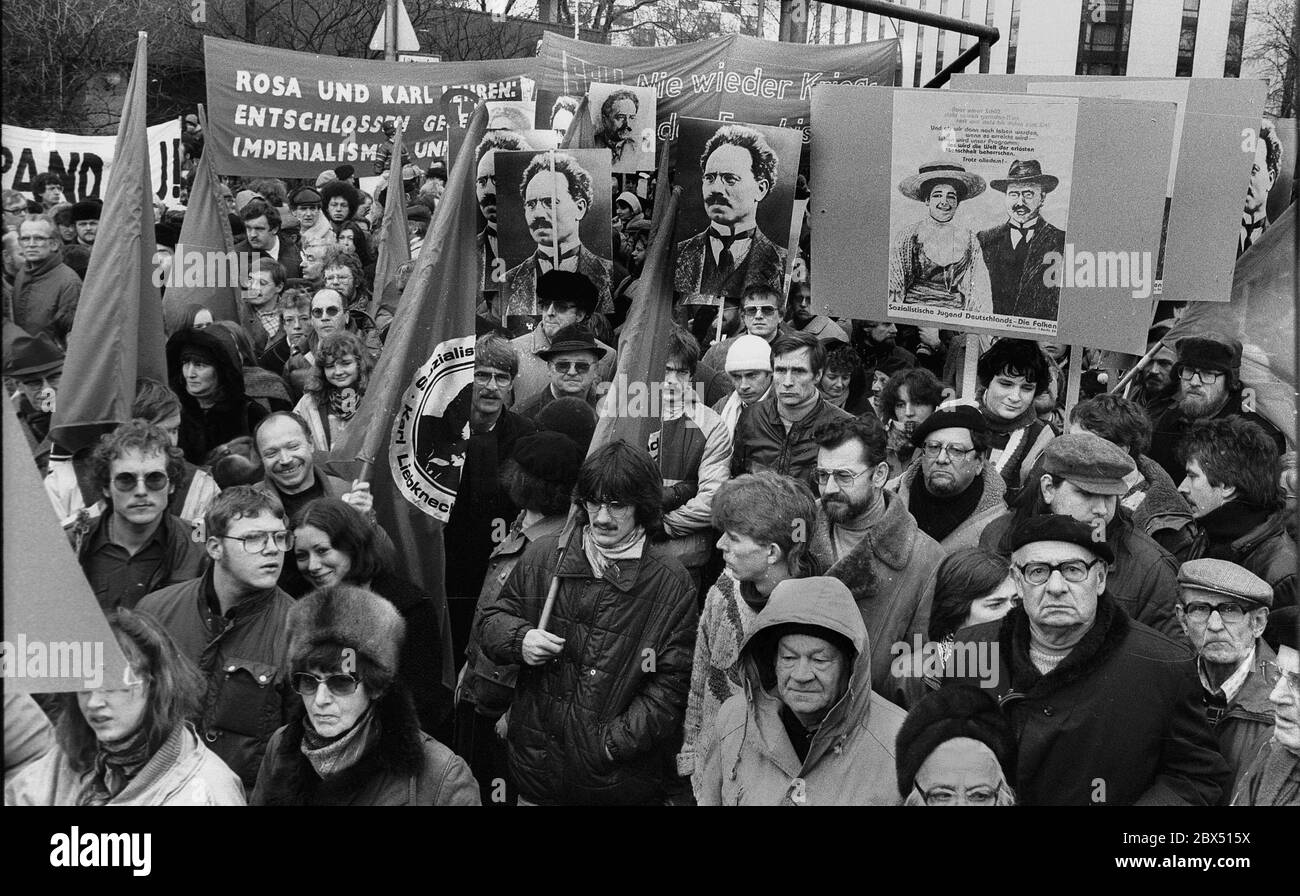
point(1119, 722)
point(45, 298)
point(990, 506)
point(850, 760)
point(232, 415)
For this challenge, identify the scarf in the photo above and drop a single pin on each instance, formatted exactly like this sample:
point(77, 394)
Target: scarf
point(600, 558)
point(937, 516)
point(343, 402)
point(332, 755)
point(837, 402)
point(1010, 432)
point(116, 763)
point(1224, 525)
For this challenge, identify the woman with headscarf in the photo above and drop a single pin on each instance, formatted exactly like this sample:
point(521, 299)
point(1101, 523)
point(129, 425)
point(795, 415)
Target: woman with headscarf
point(937, 262)
point(132, 745)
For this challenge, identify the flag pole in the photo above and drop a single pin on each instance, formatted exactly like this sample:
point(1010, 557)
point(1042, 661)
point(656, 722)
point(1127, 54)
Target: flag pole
point(555, 211)
point(1136, 368)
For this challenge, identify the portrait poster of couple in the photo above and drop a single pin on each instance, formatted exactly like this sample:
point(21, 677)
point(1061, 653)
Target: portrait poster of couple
point(979, 213)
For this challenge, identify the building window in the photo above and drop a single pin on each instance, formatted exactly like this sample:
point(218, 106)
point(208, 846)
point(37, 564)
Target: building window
point(1103, 37)
point(1236, 36)
point(1013, 37)
point(990, 9)
point(920, 42)
point(1187, 38)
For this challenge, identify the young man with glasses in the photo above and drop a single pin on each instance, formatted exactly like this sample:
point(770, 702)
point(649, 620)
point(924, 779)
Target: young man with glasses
point(136, 547)
point(761, 310)
point(1207, 375)
point(564, 298)
point(865, 537)
point(597, 713)
point(232, 622)
point(1223, 609)
point(571, 359)
point(950, 488)
point(1107, 710)
point(46, 290)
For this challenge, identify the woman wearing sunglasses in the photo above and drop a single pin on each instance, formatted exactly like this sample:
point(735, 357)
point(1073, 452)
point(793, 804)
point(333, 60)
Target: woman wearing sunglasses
point(359, 742)
point(127, 743)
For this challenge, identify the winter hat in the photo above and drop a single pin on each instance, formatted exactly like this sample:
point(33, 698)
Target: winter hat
point(243, 197)
point(87, 210)
point(1204, 353)
point(749, 352)
point(630, 200)
point(1091, 463)
point(570, 416)
point(326, 177)
point(549, 456)
point(1056, 527)
point(347, 617)
point(27, 356)
point(567, 286)
point(956, 416)
point(952, 712)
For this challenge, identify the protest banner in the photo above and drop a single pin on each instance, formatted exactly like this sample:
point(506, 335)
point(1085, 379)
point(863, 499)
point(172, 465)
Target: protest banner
point(276, 113)
point(85, 162)
point(1006, 160)
point(1210, 158)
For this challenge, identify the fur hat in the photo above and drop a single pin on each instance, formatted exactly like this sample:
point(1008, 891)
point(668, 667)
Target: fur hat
point(952, 712)
point(346, 616)
point(1209, 353)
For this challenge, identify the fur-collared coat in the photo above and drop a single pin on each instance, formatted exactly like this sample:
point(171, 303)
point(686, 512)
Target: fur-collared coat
point(991, 506)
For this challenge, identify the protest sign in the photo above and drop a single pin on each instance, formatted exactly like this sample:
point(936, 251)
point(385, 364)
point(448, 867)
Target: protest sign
point(84, 162)
point(623, 119)
point(276, 113)
point(1041, 163)
point(1211, 154)
point(1271, 176)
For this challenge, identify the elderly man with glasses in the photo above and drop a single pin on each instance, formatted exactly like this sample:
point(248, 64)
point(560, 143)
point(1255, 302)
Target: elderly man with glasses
point(573, 361)
point(1107, 710)
point(1223, 610)
point(46, 290)
point(232, 623)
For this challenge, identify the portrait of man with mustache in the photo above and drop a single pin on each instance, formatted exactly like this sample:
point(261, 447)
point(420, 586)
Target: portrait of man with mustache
point(1016, 251)
point(738, 171)
point(618, 122)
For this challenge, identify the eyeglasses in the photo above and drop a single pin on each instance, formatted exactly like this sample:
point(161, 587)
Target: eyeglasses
point(155, 481)
point(559, 307)
point(931, 450)
point(843, 478)
point(1071, 570)
point(1208, 377)
point(484, 377)
point(1199, 611)
point(1273, 673)
point(339, 685)
point(943, 796)
point(255, 542)
point(327, 311)
point(571, 366)
point(612, 507)
point(756, 310)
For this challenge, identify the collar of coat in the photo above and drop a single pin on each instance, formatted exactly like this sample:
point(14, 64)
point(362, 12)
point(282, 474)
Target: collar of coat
point(400, 753)
point(1252, 700)
point(1108, 631)
point(622, 574)
point(995, 488)
point(890, 541)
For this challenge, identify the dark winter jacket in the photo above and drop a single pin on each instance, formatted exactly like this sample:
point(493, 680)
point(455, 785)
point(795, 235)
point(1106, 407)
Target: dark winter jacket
point(45, 298)
point(405, 767)
point(601, 723)
point(243, 655)
point(1246, 723)
point(1266, 550)
point(1168, 429)
point(419, 667)
point(1118, 722)
point(233, 415)
point(762, 442)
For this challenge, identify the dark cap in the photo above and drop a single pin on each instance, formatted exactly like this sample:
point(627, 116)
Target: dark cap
point(87, 210)
point(1055, 527)
point(1223, 578)
point(947, 714)
point(28, 356)
point(570, 416)
point(418, 212)
point(573, 338)
point(961, 416)
point(1090, 463)
point(567, 286)
point(549, 456)
point(304, 196)
point(1204, 353)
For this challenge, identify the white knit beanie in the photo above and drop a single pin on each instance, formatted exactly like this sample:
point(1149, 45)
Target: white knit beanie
point(749, 352)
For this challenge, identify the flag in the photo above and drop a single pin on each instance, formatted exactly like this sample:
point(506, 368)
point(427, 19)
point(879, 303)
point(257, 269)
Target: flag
point(412, 428)
point(118, 332)
point(394, 245)
point(1262, 315)
point(56, 637)
point(205, 270)
point(582, 131)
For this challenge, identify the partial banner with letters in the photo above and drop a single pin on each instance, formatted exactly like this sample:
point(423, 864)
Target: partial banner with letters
point(85, 162)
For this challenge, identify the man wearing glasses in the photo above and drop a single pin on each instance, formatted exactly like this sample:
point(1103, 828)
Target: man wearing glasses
point(864, 536)
point(572, 360)
point(761, 309)
point(46, 290)
point(137, 547)
point(1209, 387)
point(949, 488)
point(1108, 711)
point(564, 298)
point(232, 622)
point(1223, 610)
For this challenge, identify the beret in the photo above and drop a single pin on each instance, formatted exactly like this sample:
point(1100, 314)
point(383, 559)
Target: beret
point(961, 416)
point(549, 456)
point(1090, 463)
point(944, 715)
point(1055, 527)
point(1225, 578)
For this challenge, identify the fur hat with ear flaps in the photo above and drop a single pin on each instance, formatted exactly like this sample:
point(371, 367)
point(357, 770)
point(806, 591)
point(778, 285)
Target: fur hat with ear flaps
point(347, 617)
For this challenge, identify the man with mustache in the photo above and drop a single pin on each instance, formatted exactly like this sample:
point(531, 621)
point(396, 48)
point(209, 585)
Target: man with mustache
point(739, 171)
point(1015, 251)
point(485, 188)
point(554, 205)
point(865, 537)
point(1158, 386)
point(1263, 174)
point(1208, 373)
point(617, 123)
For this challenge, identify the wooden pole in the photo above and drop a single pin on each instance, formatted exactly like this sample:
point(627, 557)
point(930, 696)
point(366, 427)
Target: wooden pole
point(1073, 379)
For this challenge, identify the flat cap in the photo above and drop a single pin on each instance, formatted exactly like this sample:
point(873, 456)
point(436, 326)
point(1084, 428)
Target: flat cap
point(1090, 463)
point(1224, 578)
point(304, 196)
point(418, 213)
point(1055, 527)
point(961, 416)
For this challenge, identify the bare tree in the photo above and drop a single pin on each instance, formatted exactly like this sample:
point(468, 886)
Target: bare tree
point(1275, 52)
